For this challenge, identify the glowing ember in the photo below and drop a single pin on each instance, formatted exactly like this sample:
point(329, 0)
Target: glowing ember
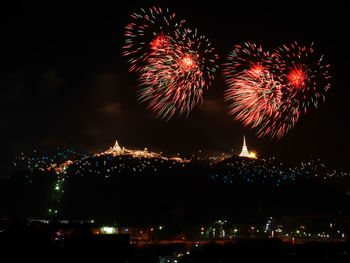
point(297, 77)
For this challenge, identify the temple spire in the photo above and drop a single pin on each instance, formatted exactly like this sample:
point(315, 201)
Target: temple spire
point(116, 147)
point(244, 152)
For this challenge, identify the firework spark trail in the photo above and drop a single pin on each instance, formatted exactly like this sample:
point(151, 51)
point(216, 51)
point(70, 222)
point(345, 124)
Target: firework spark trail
point(149, 32)
point(269, 91)
point(305, 74)
point(247, 57)
point(165, 84)
point(175, 64)
point(254, 93)
point(173, 80)
point(254, 98)
point(266, 90)
point(283, 121)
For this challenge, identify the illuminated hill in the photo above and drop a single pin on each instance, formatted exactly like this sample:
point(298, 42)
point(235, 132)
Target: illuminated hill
point(143, 185)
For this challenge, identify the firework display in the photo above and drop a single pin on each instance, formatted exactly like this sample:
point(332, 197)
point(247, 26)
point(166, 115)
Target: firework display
point(256, 96)
point(175, 63)
point(173, 80)
point(149, 32)
point(249, 57)
point(269, 91)
point(305, 74)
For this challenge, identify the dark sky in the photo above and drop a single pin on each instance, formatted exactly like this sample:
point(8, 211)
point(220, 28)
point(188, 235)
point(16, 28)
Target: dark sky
point(64, 82)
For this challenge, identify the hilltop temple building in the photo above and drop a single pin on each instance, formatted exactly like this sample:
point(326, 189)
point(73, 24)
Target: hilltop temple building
point(245, 152)
point(116, 150)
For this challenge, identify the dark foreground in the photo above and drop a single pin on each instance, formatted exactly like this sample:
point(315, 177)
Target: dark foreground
point(83, 244)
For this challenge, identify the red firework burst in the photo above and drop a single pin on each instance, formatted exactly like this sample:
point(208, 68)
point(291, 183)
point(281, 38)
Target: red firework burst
point(270, 91)
point(173, 80)
point(297, 77)
point(305, 74)
point(150, 31)
point(254, 96)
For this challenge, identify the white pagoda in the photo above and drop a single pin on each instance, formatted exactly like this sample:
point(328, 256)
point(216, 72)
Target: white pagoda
point(245, 152)
point(116, 147)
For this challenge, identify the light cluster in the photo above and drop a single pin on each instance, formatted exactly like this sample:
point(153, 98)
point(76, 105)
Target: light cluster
point(222, 167)
point(312, 230)
point(271, 171)
point(115, 160)
point(245, 170)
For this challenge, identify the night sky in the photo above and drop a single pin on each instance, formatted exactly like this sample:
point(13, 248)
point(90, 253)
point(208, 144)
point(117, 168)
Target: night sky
point(64, 82)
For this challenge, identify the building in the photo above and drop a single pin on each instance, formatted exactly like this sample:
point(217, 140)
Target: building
point(245, 152)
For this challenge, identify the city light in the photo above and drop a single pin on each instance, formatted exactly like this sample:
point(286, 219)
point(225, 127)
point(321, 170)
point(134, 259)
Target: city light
point(252, 155)
point(108, 230)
